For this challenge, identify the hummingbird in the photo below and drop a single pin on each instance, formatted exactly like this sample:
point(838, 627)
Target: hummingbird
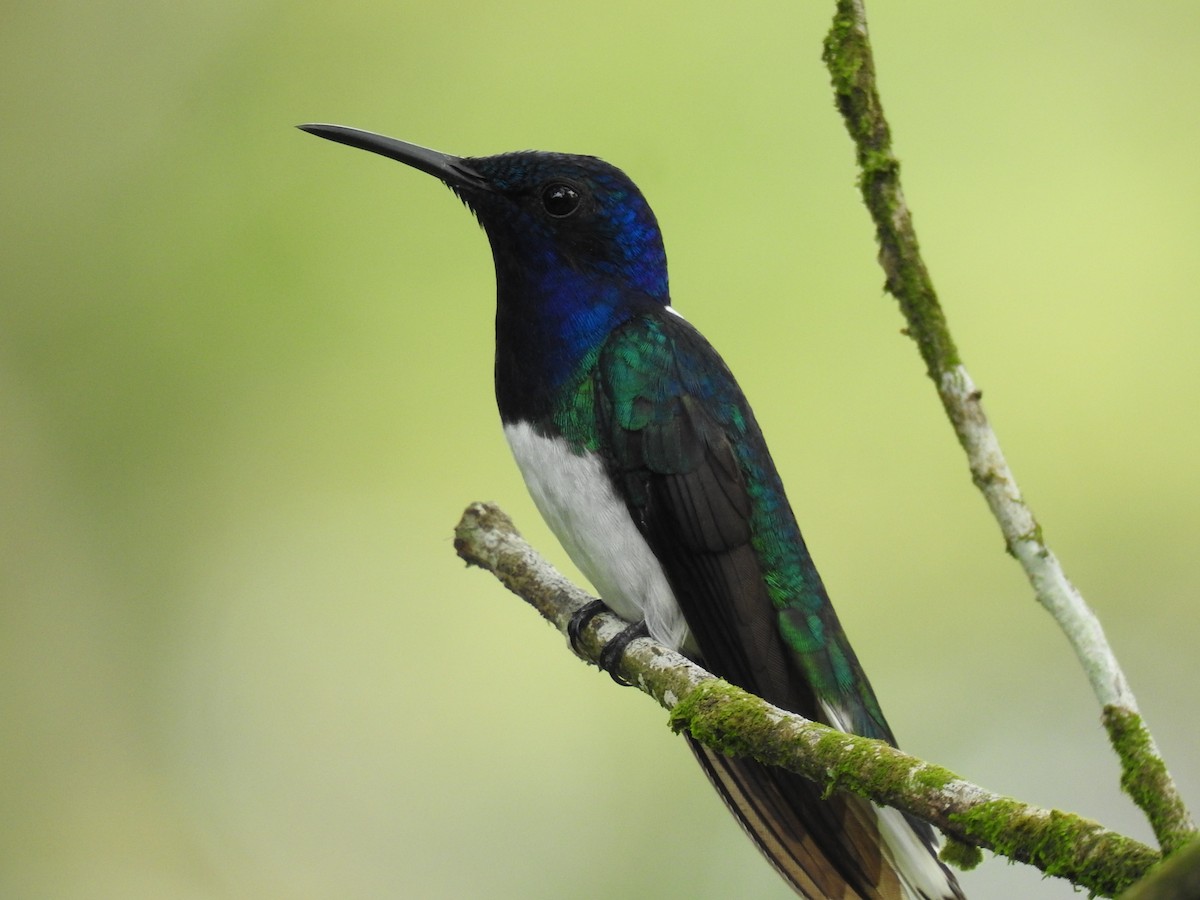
point(643, 456)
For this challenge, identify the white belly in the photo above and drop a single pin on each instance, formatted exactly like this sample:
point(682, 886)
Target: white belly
point(573, 493)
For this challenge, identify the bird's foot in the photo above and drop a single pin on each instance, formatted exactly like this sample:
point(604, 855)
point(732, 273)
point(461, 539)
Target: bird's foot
point(580, 621)
point(610, 656)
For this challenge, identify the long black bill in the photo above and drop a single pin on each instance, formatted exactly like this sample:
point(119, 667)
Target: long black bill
point(450, 169)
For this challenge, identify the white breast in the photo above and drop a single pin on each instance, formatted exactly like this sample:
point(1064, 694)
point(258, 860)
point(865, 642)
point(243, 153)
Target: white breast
point(575, 497)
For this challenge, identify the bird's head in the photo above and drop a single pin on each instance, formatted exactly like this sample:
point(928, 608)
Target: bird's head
point(544, 212)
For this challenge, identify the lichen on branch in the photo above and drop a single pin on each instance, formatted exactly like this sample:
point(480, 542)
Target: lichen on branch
point(728, 719)
point(851, 67)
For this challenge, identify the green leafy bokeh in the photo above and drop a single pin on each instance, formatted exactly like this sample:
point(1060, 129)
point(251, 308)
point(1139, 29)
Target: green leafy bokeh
point(245, 393)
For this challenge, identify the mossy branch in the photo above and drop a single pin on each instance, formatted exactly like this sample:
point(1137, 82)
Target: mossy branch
point(1177, 878)
point(1145, 777)
point(728, 719)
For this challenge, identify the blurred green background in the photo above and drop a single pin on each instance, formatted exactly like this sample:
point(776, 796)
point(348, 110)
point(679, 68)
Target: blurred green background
point(245, 394)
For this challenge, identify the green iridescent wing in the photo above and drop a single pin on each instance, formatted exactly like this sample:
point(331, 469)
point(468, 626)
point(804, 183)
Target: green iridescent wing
point(703, 489)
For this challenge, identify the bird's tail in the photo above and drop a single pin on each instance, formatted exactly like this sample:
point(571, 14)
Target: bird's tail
point(841, 847)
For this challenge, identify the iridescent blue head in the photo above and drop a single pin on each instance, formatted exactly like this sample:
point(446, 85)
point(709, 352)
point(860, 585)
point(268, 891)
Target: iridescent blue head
point(544, 212)
point(573, 210)
point(577, 252)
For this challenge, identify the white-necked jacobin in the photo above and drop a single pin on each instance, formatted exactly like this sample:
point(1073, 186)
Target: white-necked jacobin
point(644, 458)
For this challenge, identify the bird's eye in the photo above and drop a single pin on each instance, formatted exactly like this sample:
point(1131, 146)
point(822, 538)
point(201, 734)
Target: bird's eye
point(560, 199)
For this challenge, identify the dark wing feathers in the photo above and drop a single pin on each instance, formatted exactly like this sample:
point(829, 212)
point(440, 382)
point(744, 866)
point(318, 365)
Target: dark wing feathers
point(687, 489)
point(670, 413)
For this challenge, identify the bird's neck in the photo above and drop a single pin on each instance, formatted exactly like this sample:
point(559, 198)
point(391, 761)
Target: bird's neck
point(551, 323)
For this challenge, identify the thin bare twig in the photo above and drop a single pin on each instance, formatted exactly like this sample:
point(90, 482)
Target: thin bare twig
point(1144, 774)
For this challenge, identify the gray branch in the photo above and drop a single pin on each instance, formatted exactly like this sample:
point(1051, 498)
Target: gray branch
point(732, 721)
point(1144, 774)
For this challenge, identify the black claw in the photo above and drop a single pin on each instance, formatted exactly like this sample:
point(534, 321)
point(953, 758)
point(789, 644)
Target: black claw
point(610, 656)
point(580, 620)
